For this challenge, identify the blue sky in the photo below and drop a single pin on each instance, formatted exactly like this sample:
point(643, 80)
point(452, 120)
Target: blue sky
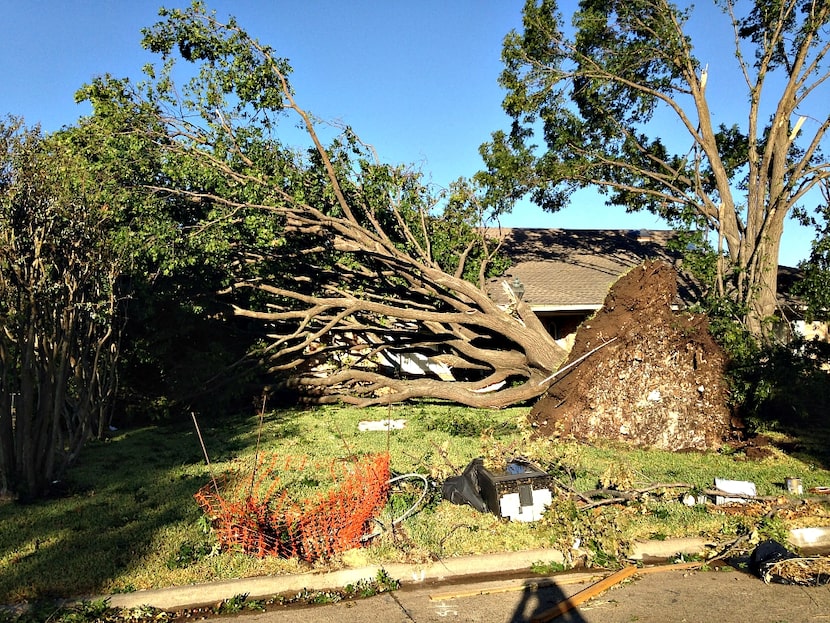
point(417, 80)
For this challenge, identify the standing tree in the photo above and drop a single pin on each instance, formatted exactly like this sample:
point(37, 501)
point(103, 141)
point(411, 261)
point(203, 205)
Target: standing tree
point(347, 266)
point(596, 98)
point(59, 308)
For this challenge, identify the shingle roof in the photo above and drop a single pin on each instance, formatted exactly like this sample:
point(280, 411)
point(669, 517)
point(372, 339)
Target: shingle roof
point(573, 268)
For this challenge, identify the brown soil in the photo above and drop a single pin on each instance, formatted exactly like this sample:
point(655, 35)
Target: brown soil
point(659, 384)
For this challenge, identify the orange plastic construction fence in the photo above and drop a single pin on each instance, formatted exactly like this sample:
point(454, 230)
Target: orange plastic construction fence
point(265, 521)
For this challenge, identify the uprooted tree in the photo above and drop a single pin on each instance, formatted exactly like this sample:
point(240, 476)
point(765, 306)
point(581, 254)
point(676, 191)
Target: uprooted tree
point(596, 98)
point(348, 267)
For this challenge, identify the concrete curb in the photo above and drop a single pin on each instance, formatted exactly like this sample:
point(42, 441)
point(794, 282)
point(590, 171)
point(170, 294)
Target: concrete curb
point(810, 537)
point(264, 587)
point(642, 550)
point(814, 538)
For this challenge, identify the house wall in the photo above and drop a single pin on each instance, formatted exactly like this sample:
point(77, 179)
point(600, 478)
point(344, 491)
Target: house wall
point(560, 325)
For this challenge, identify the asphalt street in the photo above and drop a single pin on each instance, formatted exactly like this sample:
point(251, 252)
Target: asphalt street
point(493, 588)
point(679, 595)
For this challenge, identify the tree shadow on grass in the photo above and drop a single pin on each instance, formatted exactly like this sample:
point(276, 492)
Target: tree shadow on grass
point(124, 499)
point(804, 438)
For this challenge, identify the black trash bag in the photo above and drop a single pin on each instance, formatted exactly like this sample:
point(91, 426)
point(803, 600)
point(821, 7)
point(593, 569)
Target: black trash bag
point(464, 489)
point(773, 562)
point(763, 558)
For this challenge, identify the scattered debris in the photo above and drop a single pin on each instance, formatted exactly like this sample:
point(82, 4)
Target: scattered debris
point(413, 508)
point(521, 492)
point(742, 488)
point(794, 486)
point(693, 500)
point(381, 425)
point(464, 488)
point(772, 562)
point(603, 585)
point(584, 595)
point(813, 571)
point(756, 447)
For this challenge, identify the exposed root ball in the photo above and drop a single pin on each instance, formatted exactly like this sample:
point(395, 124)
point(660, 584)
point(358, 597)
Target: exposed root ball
point(660, 384)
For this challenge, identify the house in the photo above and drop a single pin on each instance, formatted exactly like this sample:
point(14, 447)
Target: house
point(565, 274)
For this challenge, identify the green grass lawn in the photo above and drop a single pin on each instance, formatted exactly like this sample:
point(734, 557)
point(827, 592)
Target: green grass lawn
point(130, 520)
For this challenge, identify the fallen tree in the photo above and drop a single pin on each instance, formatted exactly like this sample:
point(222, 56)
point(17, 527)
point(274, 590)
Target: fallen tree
point(348, 267)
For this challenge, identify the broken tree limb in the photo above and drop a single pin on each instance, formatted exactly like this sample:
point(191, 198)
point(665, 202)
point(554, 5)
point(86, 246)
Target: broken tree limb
point(615, 496)
point(603, 585)
point(570, 489)
point(575, 362)
point(606, 502)
point(584, 595)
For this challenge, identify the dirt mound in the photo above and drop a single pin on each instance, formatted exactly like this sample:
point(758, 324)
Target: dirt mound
point(659, 384)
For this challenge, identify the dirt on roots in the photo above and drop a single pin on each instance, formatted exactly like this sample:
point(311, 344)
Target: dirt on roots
point(657, 382)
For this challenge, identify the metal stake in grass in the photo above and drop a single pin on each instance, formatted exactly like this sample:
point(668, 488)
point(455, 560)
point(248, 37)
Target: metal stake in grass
point(205, 452)
point(258, 439)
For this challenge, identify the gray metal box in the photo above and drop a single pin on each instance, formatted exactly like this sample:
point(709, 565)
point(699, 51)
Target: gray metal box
point(520, 493)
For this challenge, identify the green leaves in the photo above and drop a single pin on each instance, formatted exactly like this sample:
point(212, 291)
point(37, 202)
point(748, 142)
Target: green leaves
point(589, 97)
point(231, 63)
point(61, 303)
point(618, 102)
point(815, 287)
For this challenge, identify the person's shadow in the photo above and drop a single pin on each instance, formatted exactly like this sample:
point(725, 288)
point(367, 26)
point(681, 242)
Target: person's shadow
point(538, 599)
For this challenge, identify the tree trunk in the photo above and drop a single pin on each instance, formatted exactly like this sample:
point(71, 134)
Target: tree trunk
point(6, 434)
point(763, 301)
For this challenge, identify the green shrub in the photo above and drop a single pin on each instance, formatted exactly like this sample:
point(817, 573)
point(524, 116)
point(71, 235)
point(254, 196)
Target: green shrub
point(783, 386)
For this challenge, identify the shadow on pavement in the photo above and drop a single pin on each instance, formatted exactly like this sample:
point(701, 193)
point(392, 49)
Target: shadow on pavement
point(537, 599)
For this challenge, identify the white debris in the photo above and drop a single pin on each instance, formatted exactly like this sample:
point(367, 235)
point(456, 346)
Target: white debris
point(740, 487)
point(490, 388)
point(654, 396)
point(381, 425)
